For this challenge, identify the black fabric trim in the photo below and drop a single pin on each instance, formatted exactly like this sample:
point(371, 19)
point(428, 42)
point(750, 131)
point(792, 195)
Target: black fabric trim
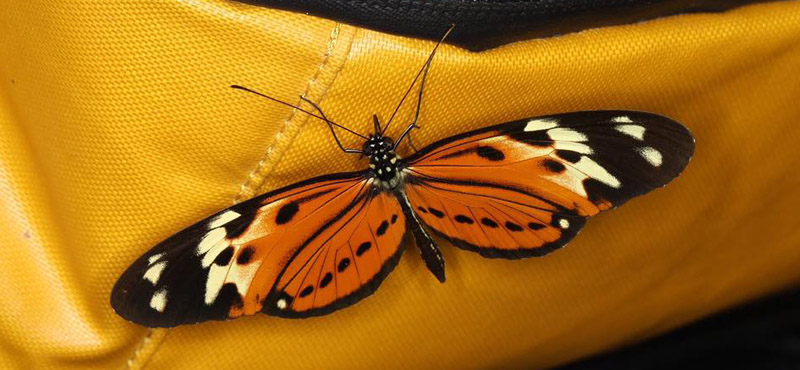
point(484, 24)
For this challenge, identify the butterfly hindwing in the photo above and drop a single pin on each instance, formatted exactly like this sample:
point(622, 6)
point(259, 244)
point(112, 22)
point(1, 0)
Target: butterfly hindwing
point(524, 188)
point(227, 265)
point(355, 253)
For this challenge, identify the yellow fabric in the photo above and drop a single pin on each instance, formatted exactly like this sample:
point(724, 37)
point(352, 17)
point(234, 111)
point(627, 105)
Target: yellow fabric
point(117, 129)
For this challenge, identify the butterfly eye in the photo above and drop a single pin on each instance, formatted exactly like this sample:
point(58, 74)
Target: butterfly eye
point(370, 146)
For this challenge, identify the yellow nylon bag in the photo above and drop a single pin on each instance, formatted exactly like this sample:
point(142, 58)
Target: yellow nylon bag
point(118, 128)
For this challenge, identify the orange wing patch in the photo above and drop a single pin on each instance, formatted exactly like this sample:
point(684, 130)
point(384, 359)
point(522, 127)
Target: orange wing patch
point(496, 222)
point(343, 264)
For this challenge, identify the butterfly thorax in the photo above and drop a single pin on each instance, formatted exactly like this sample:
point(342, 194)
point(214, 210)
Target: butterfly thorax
point(383, 161)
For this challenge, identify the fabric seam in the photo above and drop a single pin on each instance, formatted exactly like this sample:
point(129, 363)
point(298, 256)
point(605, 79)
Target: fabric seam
point(251, 184)
point(272, 156)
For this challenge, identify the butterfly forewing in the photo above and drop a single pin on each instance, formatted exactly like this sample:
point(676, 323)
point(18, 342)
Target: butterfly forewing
point(226, 265)
point(524, 188)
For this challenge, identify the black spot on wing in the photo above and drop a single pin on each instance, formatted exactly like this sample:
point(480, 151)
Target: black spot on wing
point(306, 291)
point(490, 153)
point(224, 257)
point(286, 213)
point(489, 222)
point(245, 255)
point(422, 209)
point(382, 228)
point(483, 151)
point(513, 227)
point(464, 220)
point(363, 248)
point(535, 226)
point(343, 264)
point(553, 165)
point(394, 219)
point(436, 212)
point(326, 280)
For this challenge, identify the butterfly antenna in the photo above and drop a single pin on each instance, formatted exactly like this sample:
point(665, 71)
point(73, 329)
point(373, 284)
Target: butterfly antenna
point(424, 68)
point(329, 122)
point(376, 124)
point(330, 126)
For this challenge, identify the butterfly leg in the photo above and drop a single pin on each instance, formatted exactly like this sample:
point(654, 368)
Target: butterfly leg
point(427, 247)
point(411, 141)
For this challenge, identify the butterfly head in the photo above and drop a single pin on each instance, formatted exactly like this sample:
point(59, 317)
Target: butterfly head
point(377, 145)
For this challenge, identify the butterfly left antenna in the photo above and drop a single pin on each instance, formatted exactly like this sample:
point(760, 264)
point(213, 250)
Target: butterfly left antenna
point(413, 124)
point(424, 72)
point(323, 117)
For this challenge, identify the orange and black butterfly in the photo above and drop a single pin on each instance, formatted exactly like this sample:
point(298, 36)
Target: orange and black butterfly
point(515, 190)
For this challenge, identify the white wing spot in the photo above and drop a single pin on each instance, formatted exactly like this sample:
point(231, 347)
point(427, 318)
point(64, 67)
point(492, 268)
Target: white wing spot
point(223, 219)
point(159, 300)
point(563, 223)
point(216, 277)
point(651, 155)
point(597, 172)
point(281, 304)
point(154, 272)
point(565, 134)
point(622, 119)
point(209, 240)
point(212, 254)
point(540, 124)
point(155, 258)
point(240, 275)
point(634, 131)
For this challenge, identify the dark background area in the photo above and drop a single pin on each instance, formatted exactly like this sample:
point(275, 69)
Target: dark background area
point(761, 335)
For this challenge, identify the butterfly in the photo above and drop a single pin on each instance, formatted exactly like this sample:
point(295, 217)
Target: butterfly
point(514, 190)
